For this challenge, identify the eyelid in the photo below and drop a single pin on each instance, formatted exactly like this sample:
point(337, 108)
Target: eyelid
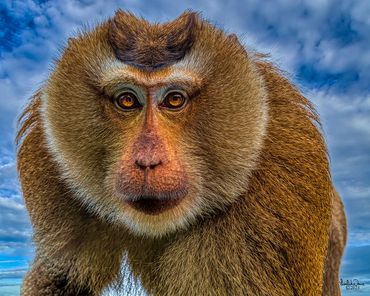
point(125, 90)
point(169, 91)
point(116, 90)
point(163, 93)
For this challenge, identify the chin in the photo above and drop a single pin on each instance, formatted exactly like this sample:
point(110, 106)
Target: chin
point(151, 216)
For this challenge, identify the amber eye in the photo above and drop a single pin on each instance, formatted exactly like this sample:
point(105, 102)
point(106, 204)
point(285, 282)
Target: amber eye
point(127, 101)
point(174, 100)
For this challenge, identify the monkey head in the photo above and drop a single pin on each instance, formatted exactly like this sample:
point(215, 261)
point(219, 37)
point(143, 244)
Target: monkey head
point(154, 125)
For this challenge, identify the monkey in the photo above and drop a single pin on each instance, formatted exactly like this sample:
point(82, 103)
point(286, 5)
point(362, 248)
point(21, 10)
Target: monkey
point(174, 149)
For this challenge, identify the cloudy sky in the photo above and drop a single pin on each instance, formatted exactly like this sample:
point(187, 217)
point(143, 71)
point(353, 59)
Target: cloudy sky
point(323, 45)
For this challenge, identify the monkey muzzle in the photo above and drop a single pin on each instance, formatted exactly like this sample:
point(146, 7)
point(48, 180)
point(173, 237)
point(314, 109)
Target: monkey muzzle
point(151, 194)
point(151, 178)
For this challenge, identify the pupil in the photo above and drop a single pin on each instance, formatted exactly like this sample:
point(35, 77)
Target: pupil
point(128, 100)
point(176, 99)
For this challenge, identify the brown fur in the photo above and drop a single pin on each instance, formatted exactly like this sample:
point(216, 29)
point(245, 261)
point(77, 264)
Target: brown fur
point(274, 236)
point(138, 43)
point(337, 242)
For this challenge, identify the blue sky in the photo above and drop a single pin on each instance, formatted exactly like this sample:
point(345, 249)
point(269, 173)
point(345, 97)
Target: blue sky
point(323, 45)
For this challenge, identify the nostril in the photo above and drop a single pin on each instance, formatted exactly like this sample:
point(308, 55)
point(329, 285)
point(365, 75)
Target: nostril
point(142, 164)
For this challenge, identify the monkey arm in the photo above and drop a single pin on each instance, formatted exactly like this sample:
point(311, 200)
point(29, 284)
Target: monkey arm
point(50, 281)
point(72, 268)
point(337, 242)
point(75, 252)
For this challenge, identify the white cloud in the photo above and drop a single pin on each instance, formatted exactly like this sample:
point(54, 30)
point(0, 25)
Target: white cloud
point(359, 238)
point(12, 273)
point(13, 220)
point(8, 177)
point(11, 204)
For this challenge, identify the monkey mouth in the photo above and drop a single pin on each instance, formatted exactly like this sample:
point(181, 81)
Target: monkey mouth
point(153, 205)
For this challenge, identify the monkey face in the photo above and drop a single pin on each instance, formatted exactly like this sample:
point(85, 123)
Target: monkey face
point(153, 139)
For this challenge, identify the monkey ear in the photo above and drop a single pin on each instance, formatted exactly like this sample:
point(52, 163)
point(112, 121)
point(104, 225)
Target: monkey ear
point(71, 41)
point(234, 39)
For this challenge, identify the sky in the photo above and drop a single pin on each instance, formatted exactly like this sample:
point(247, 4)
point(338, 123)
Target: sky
point(324, 47)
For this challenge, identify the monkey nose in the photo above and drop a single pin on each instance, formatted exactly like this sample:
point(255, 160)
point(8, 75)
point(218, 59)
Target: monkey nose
point(145, 164)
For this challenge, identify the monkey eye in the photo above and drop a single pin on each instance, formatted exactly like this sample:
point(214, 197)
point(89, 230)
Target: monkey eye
point(127, 100)
point(174, 100)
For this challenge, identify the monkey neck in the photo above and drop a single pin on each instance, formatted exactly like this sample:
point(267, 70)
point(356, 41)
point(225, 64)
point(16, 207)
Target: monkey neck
point(224, 249)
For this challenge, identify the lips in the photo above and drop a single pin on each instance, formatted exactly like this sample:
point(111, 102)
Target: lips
point(151, 191)
point(153, 205)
